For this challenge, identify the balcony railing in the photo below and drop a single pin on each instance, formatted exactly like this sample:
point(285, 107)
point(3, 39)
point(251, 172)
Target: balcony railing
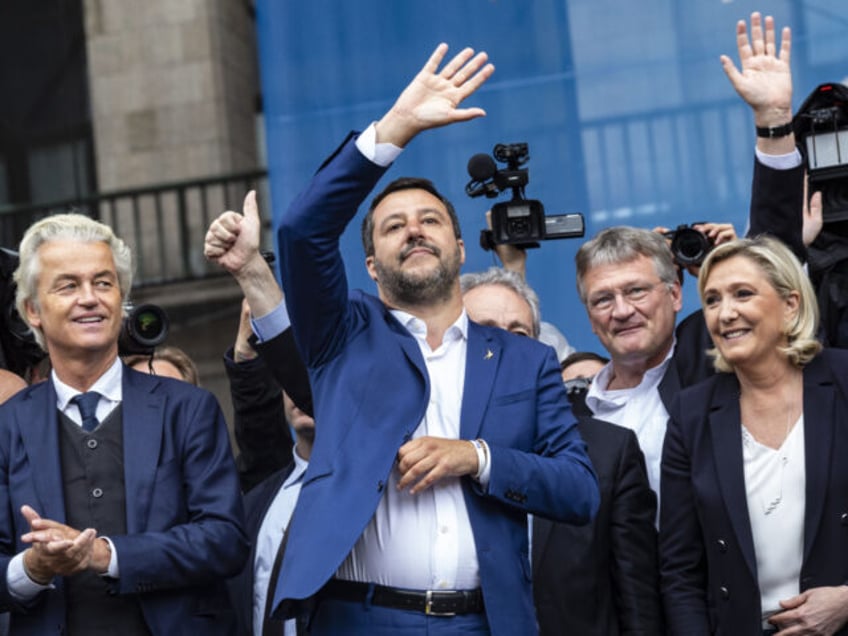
point(163, 224)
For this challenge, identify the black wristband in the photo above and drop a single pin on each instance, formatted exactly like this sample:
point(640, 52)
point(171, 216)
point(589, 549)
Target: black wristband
point(773, 132)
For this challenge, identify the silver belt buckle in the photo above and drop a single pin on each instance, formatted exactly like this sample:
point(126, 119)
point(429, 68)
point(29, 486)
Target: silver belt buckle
point(428, 605)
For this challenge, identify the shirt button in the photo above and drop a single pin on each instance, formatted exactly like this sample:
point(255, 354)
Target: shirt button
point(444, 529)
point(443, 584)
point(97, 493)
point(91, 443)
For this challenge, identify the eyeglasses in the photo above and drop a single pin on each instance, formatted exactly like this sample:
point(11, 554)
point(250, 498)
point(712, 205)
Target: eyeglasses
point(633, 295)
point(576, 386)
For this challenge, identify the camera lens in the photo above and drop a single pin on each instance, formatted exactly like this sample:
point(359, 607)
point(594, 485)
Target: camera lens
point(689, 246)
point(148, 324)
point(145, 328)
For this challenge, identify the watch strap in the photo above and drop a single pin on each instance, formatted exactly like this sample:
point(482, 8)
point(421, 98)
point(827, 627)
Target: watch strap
point(773, 132)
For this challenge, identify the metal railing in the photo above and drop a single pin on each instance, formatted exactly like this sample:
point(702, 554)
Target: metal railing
point(163, 224)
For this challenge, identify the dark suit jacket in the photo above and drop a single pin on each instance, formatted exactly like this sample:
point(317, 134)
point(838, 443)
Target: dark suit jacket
point(240, 587)
point(708, 565)
point(184, 511)
point(601, 579)
point(371, 390)
point(262, 434)
point(265, 441)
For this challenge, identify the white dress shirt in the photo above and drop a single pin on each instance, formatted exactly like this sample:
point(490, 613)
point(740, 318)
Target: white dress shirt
point(640, 409)
point(424, 541)
point(268, 541)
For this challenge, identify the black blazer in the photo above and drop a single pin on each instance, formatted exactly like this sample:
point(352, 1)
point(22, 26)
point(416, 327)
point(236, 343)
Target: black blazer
point(601, 579)
point(707, 561)
point(263, 437)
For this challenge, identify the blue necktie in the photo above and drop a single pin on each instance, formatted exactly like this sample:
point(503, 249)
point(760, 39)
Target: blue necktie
point(87, 404)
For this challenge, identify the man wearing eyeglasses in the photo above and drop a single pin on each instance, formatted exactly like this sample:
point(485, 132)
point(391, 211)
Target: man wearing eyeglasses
point(601, 578)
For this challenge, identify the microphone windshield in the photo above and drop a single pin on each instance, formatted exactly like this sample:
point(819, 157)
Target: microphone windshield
point(481, 167)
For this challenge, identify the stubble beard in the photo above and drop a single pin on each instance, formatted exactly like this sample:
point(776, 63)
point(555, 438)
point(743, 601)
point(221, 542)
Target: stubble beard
point(406, 288)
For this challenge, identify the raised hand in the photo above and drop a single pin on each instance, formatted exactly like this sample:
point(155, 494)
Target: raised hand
point(433, 97)
point(765, 80)
point(232, 240)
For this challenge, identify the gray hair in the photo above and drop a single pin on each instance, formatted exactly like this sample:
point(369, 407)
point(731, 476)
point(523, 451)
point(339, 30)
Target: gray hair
point(623, 244)
point(64, 227)
point(510, 280)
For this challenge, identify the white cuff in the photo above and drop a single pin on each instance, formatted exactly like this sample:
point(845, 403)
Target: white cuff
point(484, 462)
point(780, 162)
point(21, 587)
point(382, 154)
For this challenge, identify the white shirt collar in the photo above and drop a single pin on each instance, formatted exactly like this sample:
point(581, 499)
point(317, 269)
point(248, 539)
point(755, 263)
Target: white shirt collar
point(300, 466)
point(418, 328)
point(108, 385)
point(598, 393)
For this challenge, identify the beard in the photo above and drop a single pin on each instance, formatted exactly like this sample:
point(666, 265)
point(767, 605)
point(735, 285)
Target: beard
point(407, 288)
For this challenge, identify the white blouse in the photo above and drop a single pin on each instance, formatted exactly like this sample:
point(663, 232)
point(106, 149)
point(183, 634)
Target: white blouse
point(775, 482)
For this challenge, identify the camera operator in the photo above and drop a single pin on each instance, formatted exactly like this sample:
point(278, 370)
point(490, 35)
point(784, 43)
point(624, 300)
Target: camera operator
point(514, 259)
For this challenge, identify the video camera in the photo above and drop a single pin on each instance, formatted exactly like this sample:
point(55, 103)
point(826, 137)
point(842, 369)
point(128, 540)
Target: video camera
point(520, 221)
point(688, 245)
point(143, 329)
point(821, 128)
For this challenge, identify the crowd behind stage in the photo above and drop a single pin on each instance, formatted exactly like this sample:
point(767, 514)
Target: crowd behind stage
point(436, 458)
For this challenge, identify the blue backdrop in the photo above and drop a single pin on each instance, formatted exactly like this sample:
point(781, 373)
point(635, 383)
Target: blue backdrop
point(627, 112)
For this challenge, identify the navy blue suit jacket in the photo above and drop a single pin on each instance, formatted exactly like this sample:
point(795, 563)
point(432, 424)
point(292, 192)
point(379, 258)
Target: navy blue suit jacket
point(183, 507)
point(371, 390)
point(708, 565)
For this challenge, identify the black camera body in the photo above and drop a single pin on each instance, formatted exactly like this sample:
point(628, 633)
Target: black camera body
point(821, 129)
point(521, 222)
point(688, 245)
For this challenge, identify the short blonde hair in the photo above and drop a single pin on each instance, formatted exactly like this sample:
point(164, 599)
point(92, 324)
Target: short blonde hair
point(786, 275)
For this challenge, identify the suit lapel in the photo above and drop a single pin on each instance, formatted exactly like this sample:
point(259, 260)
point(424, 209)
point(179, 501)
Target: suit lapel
point(819, 420)
point(39, 428)
point(143, 421)
point(726, 431)
point(483, 358)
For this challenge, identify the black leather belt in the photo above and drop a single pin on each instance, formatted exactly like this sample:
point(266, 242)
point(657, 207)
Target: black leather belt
point(431, 602)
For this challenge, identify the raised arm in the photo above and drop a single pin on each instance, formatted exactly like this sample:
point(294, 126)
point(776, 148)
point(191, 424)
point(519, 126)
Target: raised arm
point(765, 79)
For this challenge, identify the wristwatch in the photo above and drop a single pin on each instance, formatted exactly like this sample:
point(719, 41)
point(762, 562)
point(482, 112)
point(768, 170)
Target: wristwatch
point(773, 132)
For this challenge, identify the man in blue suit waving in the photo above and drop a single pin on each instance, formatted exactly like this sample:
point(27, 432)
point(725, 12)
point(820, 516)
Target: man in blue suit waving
point(435, 436)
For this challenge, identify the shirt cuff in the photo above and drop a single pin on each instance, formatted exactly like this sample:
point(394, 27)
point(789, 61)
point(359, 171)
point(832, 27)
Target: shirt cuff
point(779, 162)
point(112, 570)
point(271, 324)
point(484, 462)
point(382, 154)
point(20, 586)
